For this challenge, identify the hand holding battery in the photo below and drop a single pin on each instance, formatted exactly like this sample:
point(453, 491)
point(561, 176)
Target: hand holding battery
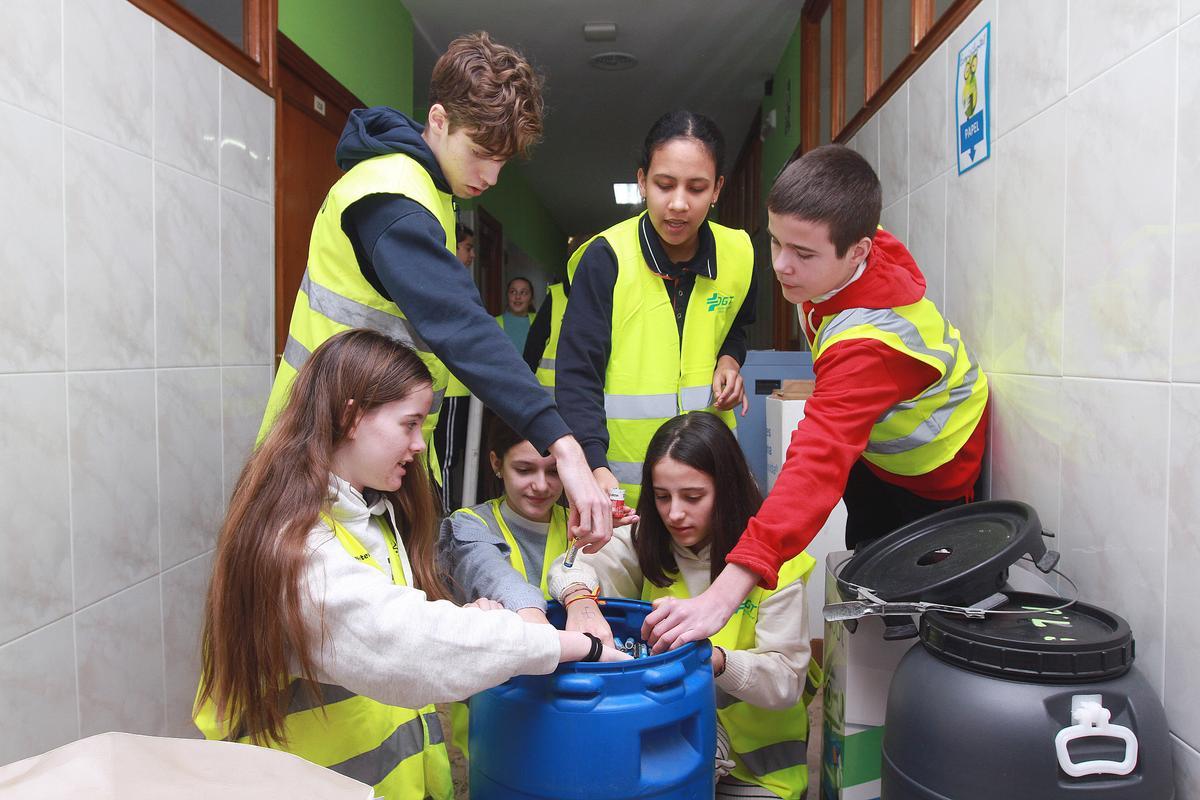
point(589, 524)
point(621, 515)
point(729, 391)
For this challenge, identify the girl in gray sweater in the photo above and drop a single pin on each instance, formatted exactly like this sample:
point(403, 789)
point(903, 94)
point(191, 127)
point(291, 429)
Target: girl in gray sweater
point(501, 549)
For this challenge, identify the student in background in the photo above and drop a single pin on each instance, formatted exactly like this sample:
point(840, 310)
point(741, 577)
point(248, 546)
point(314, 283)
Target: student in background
point(897, 422)
point(541, 347)
point(518, 315)
point(465, 247)
point(697, 495)
point(382, 252)
point(327, 632)
point(659, 306)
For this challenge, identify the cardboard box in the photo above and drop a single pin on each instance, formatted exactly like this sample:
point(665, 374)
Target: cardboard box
point(782, 418)
point(858, 672)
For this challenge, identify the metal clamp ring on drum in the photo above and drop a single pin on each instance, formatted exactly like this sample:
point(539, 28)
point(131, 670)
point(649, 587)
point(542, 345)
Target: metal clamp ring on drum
point(868, 595)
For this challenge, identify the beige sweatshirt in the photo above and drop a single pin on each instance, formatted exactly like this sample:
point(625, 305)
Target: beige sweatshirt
point(389, 642)
point(769, 675)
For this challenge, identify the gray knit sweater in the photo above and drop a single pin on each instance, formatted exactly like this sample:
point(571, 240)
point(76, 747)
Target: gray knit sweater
point(477, 560)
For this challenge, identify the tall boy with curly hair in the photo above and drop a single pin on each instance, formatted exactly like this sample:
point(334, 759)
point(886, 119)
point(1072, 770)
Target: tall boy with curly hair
point(382, 252)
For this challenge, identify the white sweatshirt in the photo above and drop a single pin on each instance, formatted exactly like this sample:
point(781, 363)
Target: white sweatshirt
point(769, 675)
point(389, 642)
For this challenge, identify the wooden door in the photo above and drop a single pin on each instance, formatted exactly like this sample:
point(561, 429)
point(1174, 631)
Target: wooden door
point(312, 111)
point(489, 261)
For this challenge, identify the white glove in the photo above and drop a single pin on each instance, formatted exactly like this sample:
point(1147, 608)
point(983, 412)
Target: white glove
point(560, 577)
point(724, 764)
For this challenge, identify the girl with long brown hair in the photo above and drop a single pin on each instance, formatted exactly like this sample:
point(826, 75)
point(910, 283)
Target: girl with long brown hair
point(327, 629)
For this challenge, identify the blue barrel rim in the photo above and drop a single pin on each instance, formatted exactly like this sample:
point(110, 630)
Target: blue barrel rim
point(634, 665)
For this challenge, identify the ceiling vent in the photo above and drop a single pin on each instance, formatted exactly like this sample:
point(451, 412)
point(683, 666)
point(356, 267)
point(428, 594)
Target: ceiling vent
point(599, 31)
point(613, 61)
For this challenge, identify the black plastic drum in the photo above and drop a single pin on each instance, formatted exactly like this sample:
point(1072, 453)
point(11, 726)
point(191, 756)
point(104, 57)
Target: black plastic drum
point(1011, 706)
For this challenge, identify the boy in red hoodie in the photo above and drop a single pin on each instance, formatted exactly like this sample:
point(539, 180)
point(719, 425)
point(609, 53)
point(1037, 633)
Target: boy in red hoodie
point(897, 423)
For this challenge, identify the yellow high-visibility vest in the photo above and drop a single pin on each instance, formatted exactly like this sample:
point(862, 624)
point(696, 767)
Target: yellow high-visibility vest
point(399, 751)
point(924, 432)
point(334, 296)
point(556, 544)
point(769, 747)
point(558, 307)
point(651, 375)
point(455, 387)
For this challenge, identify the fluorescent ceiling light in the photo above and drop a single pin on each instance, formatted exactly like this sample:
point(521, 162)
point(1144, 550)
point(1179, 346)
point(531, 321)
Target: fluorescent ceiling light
point(627, 194)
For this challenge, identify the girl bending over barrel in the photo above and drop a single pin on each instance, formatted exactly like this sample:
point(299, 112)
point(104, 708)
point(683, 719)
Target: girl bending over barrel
point(697, 494)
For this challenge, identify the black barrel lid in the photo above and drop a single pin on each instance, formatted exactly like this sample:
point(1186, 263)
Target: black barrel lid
point(1077, 644)
point(958, 556)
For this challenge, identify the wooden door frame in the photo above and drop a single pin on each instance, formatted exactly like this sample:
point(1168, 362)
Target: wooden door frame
point(300, 81)
point(491, 290)
point(254, 61)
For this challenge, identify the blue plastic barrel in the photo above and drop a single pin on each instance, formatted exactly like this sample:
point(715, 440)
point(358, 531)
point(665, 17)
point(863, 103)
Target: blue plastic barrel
point(635, 729)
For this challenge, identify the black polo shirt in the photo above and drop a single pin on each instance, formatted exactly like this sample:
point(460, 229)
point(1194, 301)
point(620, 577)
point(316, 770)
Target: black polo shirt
point(586, 339)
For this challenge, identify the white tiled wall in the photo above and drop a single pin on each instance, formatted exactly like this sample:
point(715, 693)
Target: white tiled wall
point(1069, 260)
point(136, 250)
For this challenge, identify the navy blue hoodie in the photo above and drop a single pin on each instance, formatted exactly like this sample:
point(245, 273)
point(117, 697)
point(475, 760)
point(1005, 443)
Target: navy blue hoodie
point(401, 250)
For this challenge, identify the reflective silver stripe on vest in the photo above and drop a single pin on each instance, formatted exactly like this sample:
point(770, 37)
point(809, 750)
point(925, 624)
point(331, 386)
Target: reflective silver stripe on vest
point(295, 354)
point(304, 700)
point(434, 724)
point(888, 320)
point(885, 319)
point(695, 398)
point(354, 314)
point(627, 471)
point(775, 757)
point(930, 427)
point(936, 388)
point(546, 363)
point(640, 406)
point(373, 766)
point(438, 396)
point(725, 699)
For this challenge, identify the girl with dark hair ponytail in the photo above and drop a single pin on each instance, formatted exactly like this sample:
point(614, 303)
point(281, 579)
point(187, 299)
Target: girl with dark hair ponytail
point(697, 495)
point(658, 307)
point(327, 632)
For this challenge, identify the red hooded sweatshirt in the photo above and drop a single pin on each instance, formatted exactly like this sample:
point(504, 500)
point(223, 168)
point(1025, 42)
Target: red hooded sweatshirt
point(857, 381)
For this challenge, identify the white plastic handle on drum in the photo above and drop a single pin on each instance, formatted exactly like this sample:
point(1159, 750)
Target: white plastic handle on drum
point(1091, 718)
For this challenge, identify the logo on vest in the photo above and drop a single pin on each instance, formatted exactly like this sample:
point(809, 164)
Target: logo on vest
point(749, 608)
point(717, 300)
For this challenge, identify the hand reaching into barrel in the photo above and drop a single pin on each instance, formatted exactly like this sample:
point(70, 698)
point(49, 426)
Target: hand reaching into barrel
point(583, 614)
point(577, 646)
point(675, 621)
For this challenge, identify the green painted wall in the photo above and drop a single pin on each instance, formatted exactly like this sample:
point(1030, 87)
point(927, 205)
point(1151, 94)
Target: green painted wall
point(785, 101)
point(367, 45)
point(517, 207)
